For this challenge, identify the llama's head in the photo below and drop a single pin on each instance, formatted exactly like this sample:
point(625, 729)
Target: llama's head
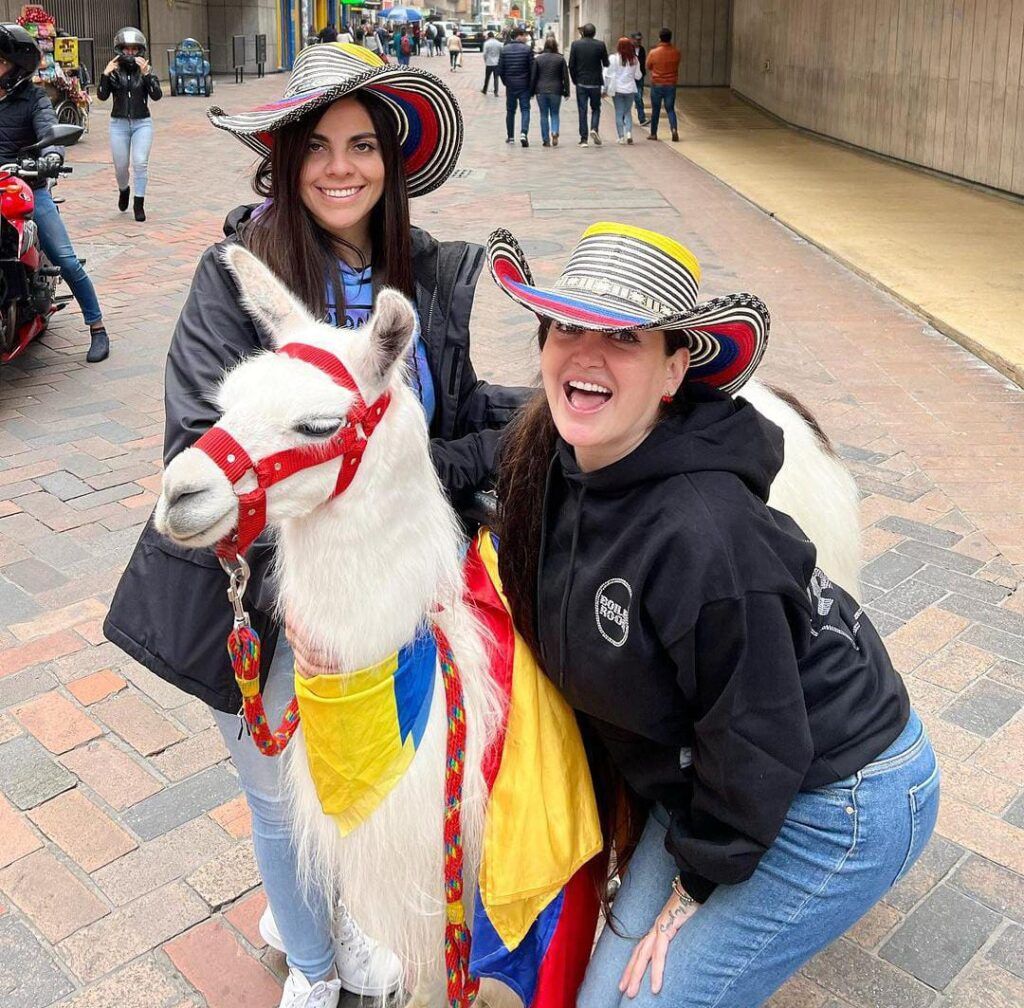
point(293, 422)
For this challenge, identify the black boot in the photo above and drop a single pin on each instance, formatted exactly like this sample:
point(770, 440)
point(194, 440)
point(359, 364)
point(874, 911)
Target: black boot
point(99, 347)
point(139, 207)
point(122, 199)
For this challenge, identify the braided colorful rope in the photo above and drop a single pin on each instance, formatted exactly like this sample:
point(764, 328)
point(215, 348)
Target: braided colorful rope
point(462, 988)
point(244, 649)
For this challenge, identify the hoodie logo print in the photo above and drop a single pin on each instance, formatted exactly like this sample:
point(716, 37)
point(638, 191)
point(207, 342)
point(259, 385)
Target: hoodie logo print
point(611, 609)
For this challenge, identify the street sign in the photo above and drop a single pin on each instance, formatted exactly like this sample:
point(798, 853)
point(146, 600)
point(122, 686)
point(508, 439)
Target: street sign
point(538, 8)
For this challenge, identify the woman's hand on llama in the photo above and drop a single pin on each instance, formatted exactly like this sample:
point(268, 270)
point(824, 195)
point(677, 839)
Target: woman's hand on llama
point(653, 947)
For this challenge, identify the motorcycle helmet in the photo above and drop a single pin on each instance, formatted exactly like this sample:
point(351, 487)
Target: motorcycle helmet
point(22, 52)
point(130, 37)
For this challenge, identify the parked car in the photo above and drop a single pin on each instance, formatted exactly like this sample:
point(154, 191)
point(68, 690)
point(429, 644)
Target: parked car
point(472, 33)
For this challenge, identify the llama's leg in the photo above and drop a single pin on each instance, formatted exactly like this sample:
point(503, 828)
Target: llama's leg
point(304, 921)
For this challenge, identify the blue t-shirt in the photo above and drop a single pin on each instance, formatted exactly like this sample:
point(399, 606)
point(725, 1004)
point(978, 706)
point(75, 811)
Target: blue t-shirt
point(358, 308)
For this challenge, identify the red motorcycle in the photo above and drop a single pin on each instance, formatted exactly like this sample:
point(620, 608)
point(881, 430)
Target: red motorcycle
point(28, 281)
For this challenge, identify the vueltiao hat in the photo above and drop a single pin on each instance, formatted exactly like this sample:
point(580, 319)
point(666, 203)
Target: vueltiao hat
point(428, 116)
point(623, 277)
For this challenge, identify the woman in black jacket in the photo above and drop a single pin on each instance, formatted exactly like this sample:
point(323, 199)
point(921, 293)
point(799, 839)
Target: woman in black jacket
point(130, 80)
point(782, 780)
point(549, 82)
point(335, 227)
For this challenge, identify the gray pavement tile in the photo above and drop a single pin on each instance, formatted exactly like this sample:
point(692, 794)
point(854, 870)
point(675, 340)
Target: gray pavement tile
point(1003, 644)
point(854, 454)
point(1008, 950)
point(29, 775)
point(1015, 813)
point(178, 804)
point(908, 598)
point(939, 557)
point(22, 686)
point(884, 623)
point(16, 605)
point(918, 530)
point(32, 575)
point(973, 587)
point(83, 465)
point(849, 971)
point(29, 974)
point(892, 490)
point(63, 485)
point(935, 862)
point(888, 569)
point(989, 615)
point(997, 887)
point(940, 936)
point(984, 707)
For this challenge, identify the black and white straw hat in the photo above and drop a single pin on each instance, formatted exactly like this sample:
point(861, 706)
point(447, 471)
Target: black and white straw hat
point(428, 116)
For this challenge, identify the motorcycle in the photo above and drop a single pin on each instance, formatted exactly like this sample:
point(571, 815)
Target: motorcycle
point(28, 280)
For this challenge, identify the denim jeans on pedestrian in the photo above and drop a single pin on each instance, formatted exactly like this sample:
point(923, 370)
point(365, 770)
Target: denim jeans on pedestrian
point(130, 142)
point(549, 106)
point(638, 100)
point(489, 72)
point(840, 849)
point(303, 917)
point(403, 58)
point(53, 237)
point(663, 94)
point(514, 99)
point(588, 94)
point(623, 114)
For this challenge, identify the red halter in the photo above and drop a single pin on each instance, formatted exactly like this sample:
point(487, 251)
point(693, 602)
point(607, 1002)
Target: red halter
point(349, 443)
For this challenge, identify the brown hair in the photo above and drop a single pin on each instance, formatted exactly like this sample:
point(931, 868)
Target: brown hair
point(626, 50)
point(551, 44)
point(304, 256)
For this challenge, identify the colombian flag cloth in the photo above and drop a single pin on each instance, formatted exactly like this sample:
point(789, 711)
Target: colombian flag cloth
point(362, 729)
point(537, 904)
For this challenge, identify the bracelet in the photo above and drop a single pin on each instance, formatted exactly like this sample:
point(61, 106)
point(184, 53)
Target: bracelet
point(681, 894)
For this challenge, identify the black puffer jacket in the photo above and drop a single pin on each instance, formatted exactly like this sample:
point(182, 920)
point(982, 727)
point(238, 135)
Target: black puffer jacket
point(170, 611)
point(131, 90)
point(24, 116)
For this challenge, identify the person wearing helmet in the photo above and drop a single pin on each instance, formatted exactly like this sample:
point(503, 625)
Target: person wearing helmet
point(130, 80)
point(26, 113)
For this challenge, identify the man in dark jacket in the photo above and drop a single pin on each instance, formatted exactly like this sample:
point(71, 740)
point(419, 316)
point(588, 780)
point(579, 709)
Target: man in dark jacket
point(169, 612)
point(638, 98)
point(26, 113)
point(328, 33)
point(588, 56)
point(515, 65)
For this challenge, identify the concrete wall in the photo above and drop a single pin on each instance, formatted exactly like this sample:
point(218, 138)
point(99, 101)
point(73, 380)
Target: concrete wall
point(165, 26)
point(939, 83)
point(243, 17)
point(700, 30)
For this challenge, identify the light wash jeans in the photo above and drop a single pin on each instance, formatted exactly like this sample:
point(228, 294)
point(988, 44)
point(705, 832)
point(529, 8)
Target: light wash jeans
point(304, 920)
point(623, 113)
point(53, 237)
point(840, 849)
point(549, 106)
point(130, 142)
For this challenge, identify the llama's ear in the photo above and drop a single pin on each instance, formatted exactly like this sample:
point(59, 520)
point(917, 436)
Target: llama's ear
point(390, 330)
point(272, 306)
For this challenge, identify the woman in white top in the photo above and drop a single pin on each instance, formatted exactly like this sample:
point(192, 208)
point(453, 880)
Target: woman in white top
point(620, 82)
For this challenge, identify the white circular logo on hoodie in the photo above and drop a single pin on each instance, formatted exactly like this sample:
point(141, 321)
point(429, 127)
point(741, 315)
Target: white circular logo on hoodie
point(611, 609)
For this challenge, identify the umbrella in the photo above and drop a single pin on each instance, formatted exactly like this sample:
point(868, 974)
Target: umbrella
point(402, 14)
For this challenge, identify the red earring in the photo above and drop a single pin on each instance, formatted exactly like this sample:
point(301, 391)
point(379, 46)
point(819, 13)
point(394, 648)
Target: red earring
point(667, 398)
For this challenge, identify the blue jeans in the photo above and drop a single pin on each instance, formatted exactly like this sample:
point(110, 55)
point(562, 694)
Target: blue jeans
point(522, 100)
point(663, 94)
point(304, 919)
point(623, 113)
point(548, 105)
point(587, 94)
point(53, 237)
point(840, 849)
point(130, 141)
point(638, 100)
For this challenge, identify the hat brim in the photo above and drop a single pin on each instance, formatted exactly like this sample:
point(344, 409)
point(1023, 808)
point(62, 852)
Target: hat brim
point(727, 336)
point(427, 113)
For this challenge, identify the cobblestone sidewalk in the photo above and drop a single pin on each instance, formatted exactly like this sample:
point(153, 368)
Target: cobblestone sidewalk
point(126, 869)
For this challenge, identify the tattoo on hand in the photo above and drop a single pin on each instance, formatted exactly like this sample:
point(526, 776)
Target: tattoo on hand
point(679, 911)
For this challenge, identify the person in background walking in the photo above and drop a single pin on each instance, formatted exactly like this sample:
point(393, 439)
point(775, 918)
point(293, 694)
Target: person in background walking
point(328, 33)
point(431, 33)
point(620, 82)
point(403, 45)
point(549, 81)
point(454, 50)
point(663, 63)
point(131, 81)
point(515, 68)
point(641, 54)
point(345, 36)
point(588, 56)
point(441, 40)
point(491, 53)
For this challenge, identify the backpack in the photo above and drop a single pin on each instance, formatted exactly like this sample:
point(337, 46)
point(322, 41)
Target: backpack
point(431, 30)
point(406, 46)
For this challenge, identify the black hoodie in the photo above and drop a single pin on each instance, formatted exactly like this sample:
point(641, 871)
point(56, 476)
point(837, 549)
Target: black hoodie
point(686, 621)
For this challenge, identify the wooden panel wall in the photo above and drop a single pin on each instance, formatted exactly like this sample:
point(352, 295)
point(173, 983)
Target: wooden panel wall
point(939, 83)
point(700, 30)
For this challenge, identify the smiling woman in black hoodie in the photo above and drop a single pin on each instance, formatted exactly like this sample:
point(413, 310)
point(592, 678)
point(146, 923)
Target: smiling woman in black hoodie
point(743, 699)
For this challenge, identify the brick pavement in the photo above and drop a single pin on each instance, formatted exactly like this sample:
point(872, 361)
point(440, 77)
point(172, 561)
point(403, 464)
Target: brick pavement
point(126, 874)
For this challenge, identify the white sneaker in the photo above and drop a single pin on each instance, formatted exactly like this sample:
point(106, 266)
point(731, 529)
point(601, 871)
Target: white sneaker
point(300, 993)
point(364, 967)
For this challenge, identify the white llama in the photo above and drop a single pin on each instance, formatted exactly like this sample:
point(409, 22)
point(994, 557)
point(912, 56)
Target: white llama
point(362, 571)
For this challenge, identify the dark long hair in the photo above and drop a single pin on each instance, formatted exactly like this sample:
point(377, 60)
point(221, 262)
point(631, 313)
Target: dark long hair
point(302, 254)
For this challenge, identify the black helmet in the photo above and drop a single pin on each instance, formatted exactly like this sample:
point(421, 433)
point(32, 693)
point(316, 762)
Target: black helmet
point(20, 50)
point(130, 37)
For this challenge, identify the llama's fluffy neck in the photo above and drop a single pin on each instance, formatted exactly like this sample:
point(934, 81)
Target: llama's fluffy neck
point(362, 572)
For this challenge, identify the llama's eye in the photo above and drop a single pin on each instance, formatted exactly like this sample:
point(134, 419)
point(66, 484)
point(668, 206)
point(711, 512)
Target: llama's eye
point(320, 427)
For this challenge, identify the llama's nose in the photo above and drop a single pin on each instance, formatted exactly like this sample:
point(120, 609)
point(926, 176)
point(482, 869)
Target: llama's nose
point(175, 495)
